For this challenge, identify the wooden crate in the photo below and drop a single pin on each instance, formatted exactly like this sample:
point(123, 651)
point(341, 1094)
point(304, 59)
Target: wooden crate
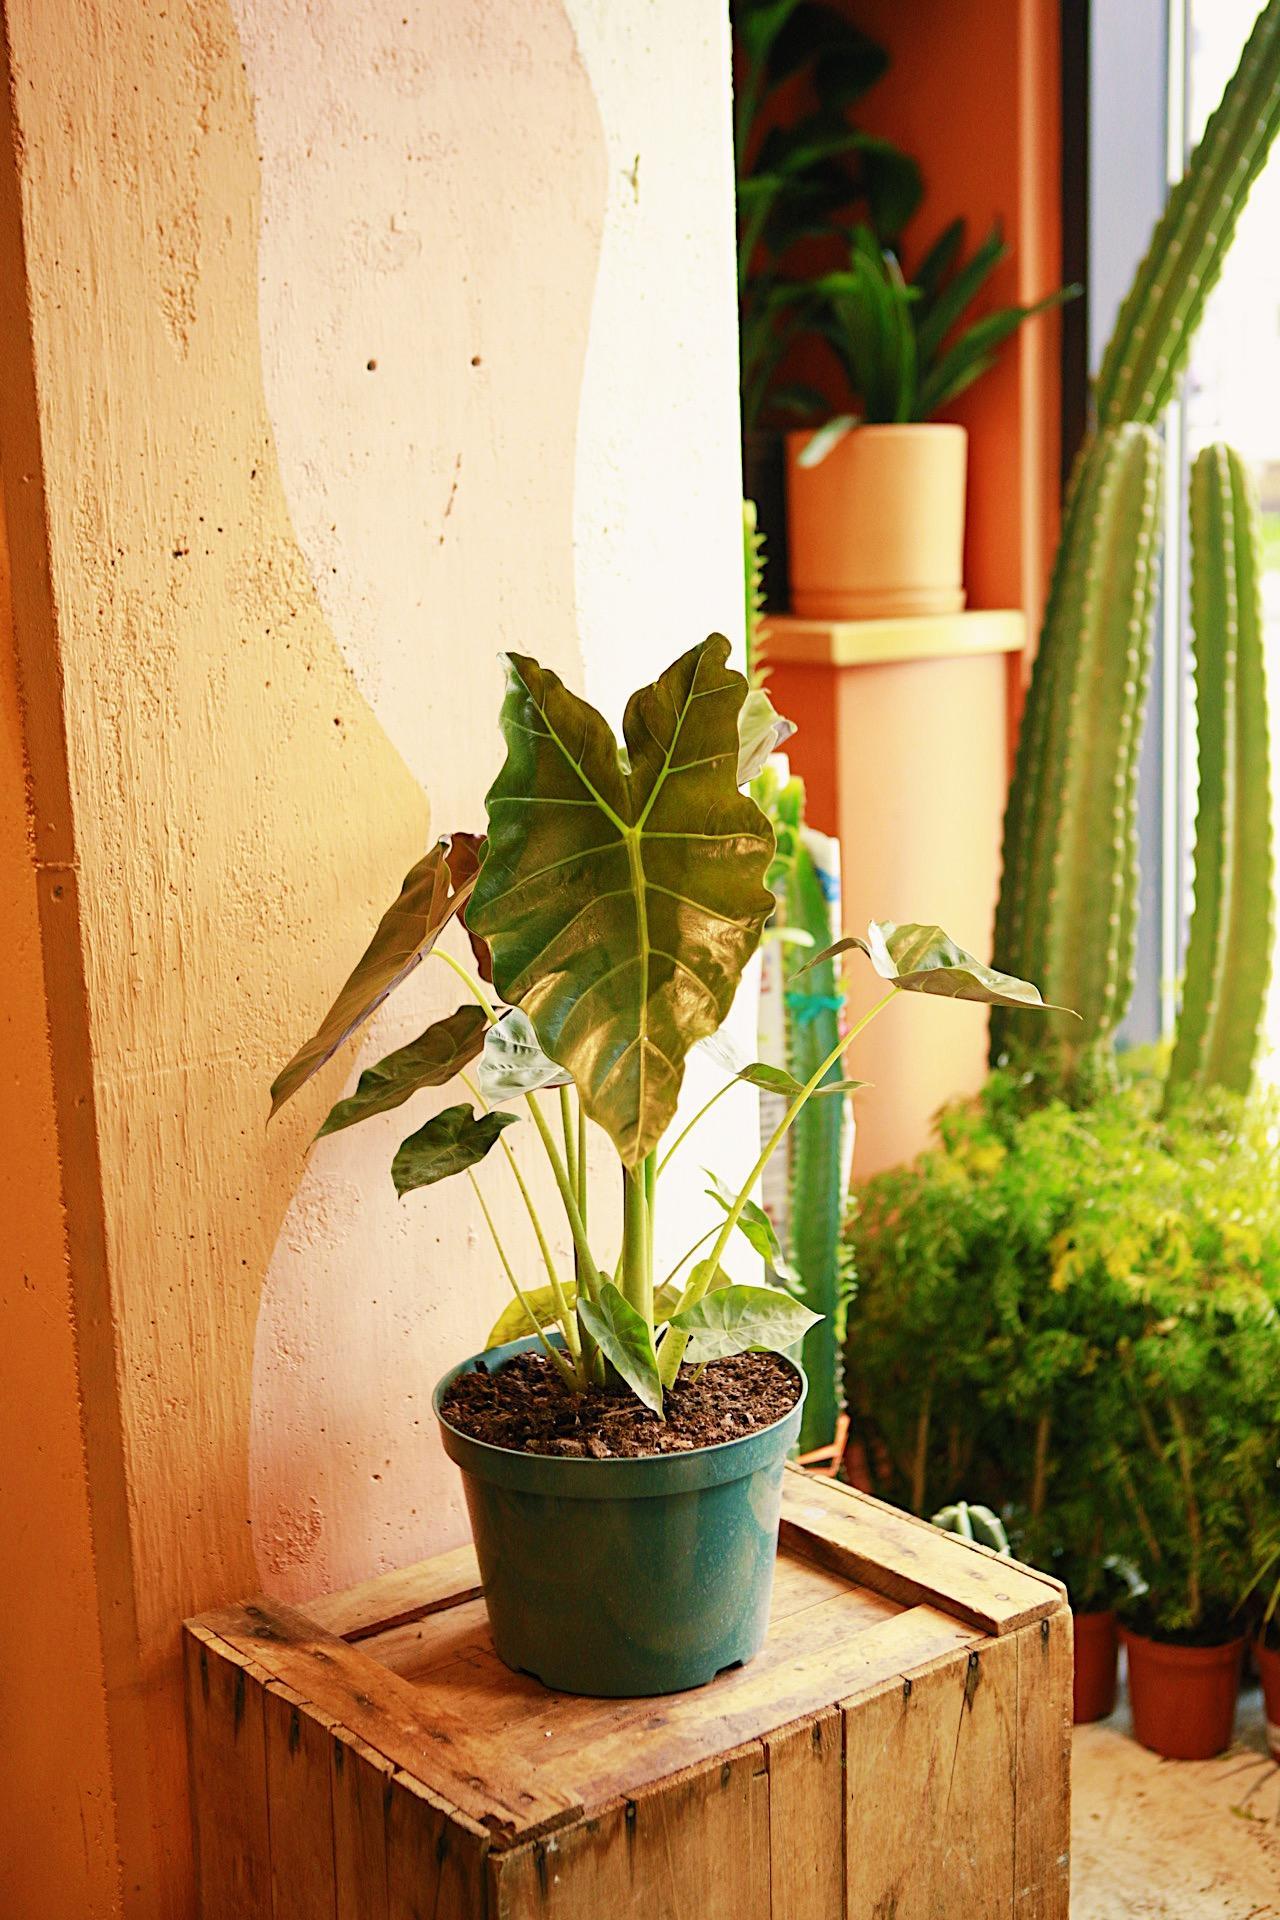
point(900, 1750)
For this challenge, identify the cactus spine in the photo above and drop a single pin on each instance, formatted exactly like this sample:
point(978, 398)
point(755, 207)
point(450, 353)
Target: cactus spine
point(1229, 951)
point(1068, 897)
point(1070, 868)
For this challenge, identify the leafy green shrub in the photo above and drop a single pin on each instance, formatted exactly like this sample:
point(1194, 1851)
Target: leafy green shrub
point(1071, 1316)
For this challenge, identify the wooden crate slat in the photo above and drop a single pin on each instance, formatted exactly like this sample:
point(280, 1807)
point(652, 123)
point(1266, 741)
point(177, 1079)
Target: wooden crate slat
point(591, 1751)
point(908, 1560)
point(391, 1598)
point(806, 1818)
point(929, 1775)
point(435, 1869)
point(227, 1746)
point(1042, 1813)
point(360, 1782)
point(299, 1806)
point(427, 1738)
point(680, 1851)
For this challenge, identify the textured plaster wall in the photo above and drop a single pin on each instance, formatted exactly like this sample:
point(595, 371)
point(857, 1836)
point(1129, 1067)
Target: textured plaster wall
point(258, 589)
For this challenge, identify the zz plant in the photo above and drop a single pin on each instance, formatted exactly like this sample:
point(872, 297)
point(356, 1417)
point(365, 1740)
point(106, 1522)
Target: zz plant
point(611, 909)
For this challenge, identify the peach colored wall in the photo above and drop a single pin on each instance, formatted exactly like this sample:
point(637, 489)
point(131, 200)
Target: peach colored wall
point(258, 590)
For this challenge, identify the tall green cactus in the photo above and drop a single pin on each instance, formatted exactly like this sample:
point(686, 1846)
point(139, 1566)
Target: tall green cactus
point(1229, 951)
point(1068, 899)
point(1070, 867)
point(1155, 326)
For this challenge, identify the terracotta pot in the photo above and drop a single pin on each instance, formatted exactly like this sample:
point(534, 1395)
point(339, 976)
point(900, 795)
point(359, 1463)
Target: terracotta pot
point(1267, 1661)
point(1183, 1698)
point(1097, 1650)
point(876, 529)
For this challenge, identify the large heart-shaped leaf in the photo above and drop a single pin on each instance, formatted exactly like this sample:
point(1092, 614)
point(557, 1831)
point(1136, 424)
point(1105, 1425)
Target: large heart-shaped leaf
point(429, 1061)
point(450, 1142)
point(512, 1063)
point(761, 731)
point(924, 959)
point(433, 891)
point(740, 1319)
point(756, 1226)
point(625, 1339)
point(622, 895)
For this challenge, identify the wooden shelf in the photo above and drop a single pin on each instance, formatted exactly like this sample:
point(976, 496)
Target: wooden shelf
point(906, 1725)
point(866, 643)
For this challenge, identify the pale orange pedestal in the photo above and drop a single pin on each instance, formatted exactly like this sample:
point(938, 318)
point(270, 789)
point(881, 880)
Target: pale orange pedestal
point(902, 745)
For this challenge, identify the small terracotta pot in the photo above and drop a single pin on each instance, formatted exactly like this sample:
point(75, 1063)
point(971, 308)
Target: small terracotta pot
point(1097, 1650)
point(876, 529)
point(1183, 1698)
point(1267, 1660)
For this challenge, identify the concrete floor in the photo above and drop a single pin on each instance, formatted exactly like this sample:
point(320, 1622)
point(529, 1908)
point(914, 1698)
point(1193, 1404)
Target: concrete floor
point(1174, 1839)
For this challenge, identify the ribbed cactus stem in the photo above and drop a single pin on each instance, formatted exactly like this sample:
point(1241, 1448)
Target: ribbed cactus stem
point(1162, 310)
point(1069, 836)
point(753, 566)
point(1229, 950)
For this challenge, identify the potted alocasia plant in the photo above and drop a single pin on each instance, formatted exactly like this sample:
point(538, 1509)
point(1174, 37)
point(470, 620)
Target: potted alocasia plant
point(622, 1460)
point(876, 496)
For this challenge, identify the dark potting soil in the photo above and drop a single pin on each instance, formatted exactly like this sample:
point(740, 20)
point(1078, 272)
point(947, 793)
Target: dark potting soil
point(526, 1407)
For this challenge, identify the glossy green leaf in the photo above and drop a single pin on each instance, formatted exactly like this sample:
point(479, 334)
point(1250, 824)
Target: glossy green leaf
point(924, 959)
point(625, 1339)
point(778, 1080)
point(761, 731)
point(450, 1142)
point(513, 1322)
point(742, 1319)
point(432, 893)
point(512, 1063)
point(622, 896)
point(756, 1227)
point(429, 1061)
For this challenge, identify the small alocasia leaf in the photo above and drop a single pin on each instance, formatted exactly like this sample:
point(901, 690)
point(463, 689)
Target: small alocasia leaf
point(778, 1080)
point(700, 1276)
point(761, 731)
point(450, 1142)
point(923, 959)
point(624, 1338)
point(429, 1061)
point(758, 1228)
point(433, 891)
point(513, 1322)
point(512, 1063)
point(622, 893)
point(740, 1320)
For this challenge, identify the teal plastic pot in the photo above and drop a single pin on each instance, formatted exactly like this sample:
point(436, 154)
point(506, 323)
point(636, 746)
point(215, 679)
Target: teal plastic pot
point(624, 1577)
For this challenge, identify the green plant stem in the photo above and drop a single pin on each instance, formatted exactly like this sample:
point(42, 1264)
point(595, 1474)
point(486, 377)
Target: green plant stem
point(636, 1281)
point(701, 1241)
point(582, 1160)
point(689, 1125)
point(920, 1462)
point(587, 1271)
point(1195, 1529)
point(553, 1354)
point(675, 1343)
point(564, 1312)
point(1040, 1471)
point(570, 1140)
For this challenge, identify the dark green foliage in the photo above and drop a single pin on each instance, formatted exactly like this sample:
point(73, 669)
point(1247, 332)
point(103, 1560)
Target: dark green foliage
point(1071, 1317)
point(806, 181)
point(902, 348)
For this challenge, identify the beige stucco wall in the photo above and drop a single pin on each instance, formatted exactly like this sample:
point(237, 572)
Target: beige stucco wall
point(259, 586)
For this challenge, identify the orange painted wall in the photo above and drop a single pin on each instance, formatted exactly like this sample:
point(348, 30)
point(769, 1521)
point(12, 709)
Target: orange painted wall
point(51, 1664)
point(973, 92)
